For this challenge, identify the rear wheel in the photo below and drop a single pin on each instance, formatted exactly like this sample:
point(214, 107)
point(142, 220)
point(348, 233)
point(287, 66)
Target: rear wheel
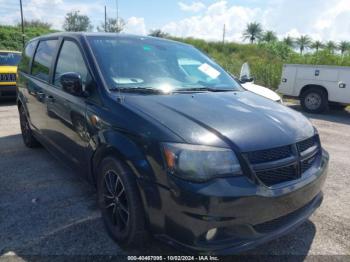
point(27, 133)
point(120, 203)
point(314, 100)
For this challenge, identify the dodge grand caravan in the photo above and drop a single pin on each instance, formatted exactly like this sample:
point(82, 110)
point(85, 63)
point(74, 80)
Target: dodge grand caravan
point(182, 153)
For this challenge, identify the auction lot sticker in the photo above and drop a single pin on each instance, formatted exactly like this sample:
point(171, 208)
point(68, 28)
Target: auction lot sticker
point(209, 70)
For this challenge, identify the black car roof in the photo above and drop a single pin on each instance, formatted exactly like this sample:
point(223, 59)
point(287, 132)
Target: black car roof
point(116, 35)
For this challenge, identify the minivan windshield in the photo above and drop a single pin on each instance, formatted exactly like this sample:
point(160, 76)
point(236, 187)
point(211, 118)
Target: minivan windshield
point(132, 63)
point(9, 58)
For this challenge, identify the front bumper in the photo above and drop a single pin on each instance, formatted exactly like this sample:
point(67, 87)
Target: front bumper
point(8, 91)
point(244, 214)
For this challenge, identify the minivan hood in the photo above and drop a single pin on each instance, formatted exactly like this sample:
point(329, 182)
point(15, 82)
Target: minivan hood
point(250, 121)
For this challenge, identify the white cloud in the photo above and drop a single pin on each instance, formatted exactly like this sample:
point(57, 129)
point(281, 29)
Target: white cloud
point(209, 24)
point(135, 25)
point(323, 20)
point(194, 7)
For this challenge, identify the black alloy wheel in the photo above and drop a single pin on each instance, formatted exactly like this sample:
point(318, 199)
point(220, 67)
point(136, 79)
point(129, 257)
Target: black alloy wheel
point(120, 203)
point(27, 133)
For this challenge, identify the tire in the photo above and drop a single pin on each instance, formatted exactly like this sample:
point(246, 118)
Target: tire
point(314, 100)
point(27, 133)
point(127, 225)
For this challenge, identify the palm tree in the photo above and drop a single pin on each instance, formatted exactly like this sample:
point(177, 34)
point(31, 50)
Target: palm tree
point(269, 36)
point(253, 32)
point(289, 41)
point(303, 42)
point(317, 45)
point(331, 46)
point(343, 46)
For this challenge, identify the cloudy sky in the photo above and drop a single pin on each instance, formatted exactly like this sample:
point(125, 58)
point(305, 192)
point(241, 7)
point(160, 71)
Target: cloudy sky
point(321, 19)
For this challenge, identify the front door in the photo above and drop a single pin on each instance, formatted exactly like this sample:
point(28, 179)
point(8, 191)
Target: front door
point(66, 124)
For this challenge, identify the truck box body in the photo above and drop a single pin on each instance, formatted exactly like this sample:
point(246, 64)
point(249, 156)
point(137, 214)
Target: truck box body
point(334, 79)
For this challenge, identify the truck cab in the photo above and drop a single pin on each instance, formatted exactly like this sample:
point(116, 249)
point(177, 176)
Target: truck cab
point(8, 72)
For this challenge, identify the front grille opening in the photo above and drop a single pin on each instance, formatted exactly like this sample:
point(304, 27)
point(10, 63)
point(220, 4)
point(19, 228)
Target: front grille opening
point(306, 164)
point(269, 155)
point(306, 144)
point(278, 175)
point(272, 175)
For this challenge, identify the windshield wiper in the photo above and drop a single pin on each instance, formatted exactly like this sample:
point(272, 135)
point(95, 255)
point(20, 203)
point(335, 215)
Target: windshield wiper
point(203, 89)
point(137, 89)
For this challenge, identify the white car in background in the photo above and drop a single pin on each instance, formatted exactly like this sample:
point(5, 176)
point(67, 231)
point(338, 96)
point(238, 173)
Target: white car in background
point(248, 83)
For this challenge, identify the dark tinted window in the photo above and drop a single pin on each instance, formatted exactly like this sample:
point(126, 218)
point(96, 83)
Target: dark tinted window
point(43, 58)
point(70, 59)
point(9, 58)
point(27, 56)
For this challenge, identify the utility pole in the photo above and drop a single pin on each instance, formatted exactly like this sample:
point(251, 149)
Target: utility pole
point(22, 22)
point(117, 8)
point(105, 19)
point(224, 34)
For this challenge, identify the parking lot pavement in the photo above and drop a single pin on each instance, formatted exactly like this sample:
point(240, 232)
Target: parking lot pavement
point(45, 209)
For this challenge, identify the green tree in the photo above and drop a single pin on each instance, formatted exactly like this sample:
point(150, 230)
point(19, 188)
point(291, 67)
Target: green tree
point(303, 42)
point(253, 32)
point(112, 26)
point(317, 45)
point(331, 46)
point(343, 46)
point(77, 23)
point(269, 36)
point(289, 41)
point(158, 33)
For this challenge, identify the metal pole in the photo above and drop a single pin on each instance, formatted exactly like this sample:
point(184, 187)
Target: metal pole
point(117, 6)
point(105, 19)
point(224, 34)
point(22, 22)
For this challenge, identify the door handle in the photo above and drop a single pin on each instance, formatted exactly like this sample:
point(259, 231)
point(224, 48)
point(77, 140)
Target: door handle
point(40, 95)
point(342, 85)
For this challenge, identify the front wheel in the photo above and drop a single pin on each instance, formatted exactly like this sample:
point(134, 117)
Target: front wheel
point(314, 100)
point(27, 133)
point(120, 203)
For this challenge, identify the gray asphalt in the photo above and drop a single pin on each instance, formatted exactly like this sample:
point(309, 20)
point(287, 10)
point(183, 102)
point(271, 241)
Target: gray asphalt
point(46, 209)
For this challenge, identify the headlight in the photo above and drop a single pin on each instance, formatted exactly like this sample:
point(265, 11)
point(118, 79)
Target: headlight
point(200, 163)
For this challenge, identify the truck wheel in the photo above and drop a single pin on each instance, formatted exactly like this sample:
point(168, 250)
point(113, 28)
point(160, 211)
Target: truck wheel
point(314, 100)
point(120, 203)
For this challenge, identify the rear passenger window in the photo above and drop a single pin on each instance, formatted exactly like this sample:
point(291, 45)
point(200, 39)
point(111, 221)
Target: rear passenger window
point(70, 59)
point(27, 56)
point(43, 58)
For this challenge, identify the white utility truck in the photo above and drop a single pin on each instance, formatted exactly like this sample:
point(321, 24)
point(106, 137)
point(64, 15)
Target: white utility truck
point(317, 86)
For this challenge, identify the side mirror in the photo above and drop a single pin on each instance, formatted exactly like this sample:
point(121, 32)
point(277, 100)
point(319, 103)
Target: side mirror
point(245, 79)
point(71, 83)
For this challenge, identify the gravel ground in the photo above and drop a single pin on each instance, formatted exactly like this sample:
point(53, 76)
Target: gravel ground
point(46, 209)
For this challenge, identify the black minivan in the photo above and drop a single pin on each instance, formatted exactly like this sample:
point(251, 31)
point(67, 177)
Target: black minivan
point(174, 145)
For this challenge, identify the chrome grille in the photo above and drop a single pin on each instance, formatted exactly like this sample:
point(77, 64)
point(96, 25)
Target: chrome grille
point(8, 77)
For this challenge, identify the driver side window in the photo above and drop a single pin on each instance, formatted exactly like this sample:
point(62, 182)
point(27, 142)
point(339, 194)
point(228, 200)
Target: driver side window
point(70, 59)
